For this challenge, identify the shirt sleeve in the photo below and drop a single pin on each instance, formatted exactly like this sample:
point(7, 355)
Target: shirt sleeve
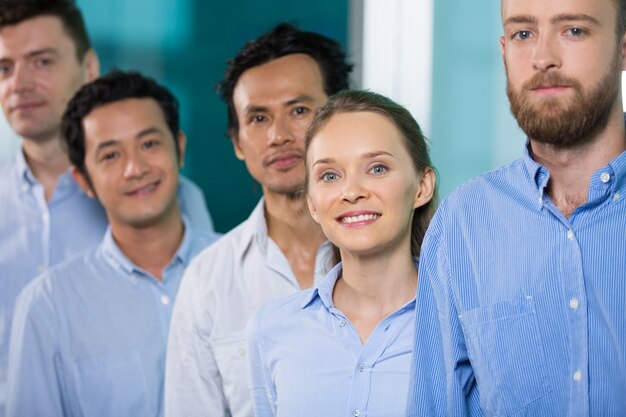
point(262, 389)
point(34, 371)
point(442, 380)
point(193, 385)
point(193, 205)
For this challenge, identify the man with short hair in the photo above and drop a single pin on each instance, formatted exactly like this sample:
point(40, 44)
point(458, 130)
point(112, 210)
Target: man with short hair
point(89, 335)
point(45, 56)
point(272, 88)
point(522, 278)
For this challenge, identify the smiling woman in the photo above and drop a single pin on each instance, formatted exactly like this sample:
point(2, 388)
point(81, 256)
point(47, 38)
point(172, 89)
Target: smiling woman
point(344, 346)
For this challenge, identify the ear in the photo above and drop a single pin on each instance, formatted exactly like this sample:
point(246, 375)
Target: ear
point(182, 147)
point(238, 152)
point(312, 210)
point(502, 45)
point(426, 188)
point(82, 182)
point(92, 65)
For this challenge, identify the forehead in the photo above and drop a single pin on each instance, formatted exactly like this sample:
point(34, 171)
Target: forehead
point(602, 10)
point(357, 133)
point(123, 119)
point(35, 34)
point(278, 81)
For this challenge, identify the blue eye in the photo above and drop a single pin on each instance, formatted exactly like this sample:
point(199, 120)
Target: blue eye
point(522, 35)
point(328, 176)
point(378, 169)
point(576, 32)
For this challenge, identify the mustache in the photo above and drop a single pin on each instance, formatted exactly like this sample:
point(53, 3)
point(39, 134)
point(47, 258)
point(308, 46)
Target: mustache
point(551, 79)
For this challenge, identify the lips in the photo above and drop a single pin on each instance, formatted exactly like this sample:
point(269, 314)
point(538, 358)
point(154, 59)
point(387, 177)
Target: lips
point(143, 190)
point(26, 106)
point(284, 160)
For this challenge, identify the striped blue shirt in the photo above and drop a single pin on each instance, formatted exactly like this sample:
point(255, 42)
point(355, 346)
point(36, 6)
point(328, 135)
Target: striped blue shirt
point(521, 310)
point(89, 336)
point(306, 359)
point(36, 234)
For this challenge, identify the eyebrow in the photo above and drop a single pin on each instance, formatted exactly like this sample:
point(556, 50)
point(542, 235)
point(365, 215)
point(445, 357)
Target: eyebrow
point(34, 54)
point(367, 155)
point(562, 17)
point(300, 99)
point(141, 134)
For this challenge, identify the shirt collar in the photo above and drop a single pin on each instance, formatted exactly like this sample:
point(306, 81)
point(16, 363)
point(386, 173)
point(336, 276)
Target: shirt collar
point(255, 228)
point(324, 289)
point(23, 170)
point(65, 182)
point(116, 258)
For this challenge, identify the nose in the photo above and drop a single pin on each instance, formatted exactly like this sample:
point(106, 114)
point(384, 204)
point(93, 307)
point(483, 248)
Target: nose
point(353, 189)
point(280, 132)
point(136, 166)
point(546, 55)
point(22, 79)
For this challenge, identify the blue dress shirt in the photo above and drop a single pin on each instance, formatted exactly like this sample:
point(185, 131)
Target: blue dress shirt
point(36, 235)
point(89, 336)
point(523, 310)
point(306, 359)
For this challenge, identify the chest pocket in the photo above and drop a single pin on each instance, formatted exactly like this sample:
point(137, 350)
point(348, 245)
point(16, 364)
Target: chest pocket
point(507, 355)
point(112, 385)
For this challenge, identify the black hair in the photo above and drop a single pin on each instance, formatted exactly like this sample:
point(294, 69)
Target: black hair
point(285, 39)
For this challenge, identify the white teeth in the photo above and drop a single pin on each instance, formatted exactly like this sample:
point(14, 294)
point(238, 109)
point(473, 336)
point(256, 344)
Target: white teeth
point(359, 218)
point(146, 189)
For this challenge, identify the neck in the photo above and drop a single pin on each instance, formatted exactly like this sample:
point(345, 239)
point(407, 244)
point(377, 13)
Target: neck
point(291, 227)
point(151, 248)
point(571, 169)
point(47, 160)
point(385, 282)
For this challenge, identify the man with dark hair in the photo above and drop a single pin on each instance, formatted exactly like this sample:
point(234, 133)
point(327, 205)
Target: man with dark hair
point(89, 335)
point(272, 88)
point(522, 279)
point(45, 56)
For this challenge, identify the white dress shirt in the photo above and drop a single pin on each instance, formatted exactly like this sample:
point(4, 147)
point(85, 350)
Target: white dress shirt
point(206, 370)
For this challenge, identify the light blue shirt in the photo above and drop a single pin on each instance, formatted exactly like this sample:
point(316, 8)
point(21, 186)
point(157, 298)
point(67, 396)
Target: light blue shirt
point(89, 336)
point(521, 310)
point(36, 235)
point(306, 359)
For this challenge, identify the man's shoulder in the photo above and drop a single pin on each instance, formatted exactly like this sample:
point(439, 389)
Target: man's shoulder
point(492, 186)
point(223, 254)
point(273, 315)
point(53, 287)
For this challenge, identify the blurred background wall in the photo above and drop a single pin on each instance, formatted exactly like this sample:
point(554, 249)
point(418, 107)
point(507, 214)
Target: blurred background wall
point(445, 67)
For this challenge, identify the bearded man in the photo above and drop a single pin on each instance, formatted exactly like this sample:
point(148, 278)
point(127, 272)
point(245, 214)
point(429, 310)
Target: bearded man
point(522, 278)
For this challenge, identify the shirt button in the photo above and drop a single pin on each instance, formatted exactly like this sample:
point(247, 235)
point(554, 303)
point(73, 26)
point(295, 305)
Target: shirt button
point(616, 196)
point(41, 268)
point(570, 235)
point(242, 351)
point(578, 375)
point(165, 299)
point(342, 323)
point(356, 413)
point(605, 177)
point(573, 303)
point(361, 368)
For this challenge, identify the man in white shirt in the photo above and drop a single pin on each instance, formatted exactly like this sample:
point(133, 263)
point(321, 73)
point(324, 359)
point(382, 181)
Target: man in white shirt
point(272, 88)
